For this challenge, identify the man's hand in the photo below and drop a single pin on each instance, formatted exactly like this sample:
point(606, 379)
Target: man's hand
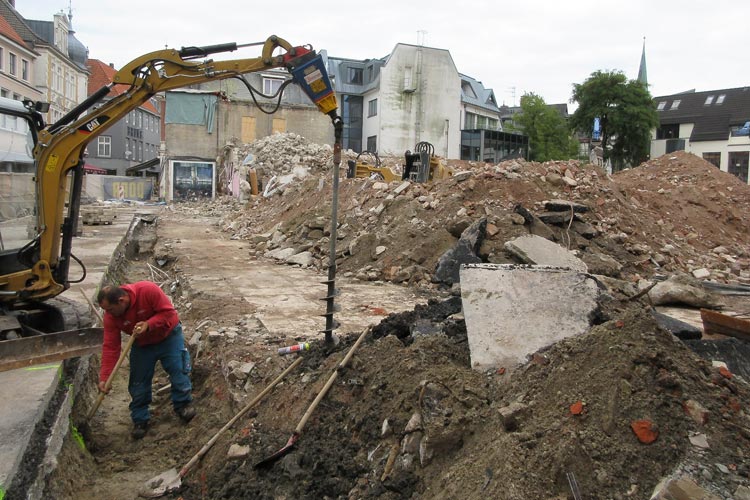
point(140, 327)
point(103, 388)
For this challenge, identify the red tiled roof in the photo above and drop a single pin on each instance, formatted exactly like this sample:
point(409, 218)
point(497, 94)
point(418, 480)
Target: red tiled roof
point(102, 74)
point(7, 30)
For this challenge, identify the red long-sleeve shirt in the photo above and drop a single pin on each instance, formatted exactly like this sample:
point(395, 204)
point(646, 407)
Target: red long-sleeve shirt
point(147, 303)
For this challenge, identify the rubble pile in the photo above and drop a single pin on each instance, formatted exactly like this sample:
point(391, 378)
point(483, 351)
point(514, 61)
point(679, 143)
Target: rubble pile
point(279, 154)
point(673, 214)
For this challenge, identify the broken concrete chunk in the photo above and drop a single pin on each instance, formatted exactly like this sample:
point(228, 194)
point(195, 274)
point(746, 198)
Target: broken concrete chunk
point(463, 175)
point(304, 259)
point(386, 429)
point(683, 289)
point(533, 249)
point(512, 312)
point(238, 452)
point(510, 415)
point(402, 187)
point(281, 253)
point(681, 488)
point(414, 424)
point(465, 252)
point(701, 273)
point(599, 263)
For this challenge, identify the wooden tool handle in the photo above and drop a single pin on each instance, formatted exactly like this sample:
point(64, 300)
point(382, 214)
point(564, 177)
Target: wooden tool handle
point(108, 383)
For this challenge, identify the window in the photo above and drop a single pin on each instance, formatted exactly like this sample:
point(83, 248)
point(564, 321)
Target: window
point(370, 73)
point(668, 131)
point(25, 70)
point(372, 143)
point(355, 76)
point(714, 158)
point(675, 104)
point(12, 63)
point(720, 99)
point(709, 100)
point(661, 106)
point(2, 59)
point(59, 79)
point(372, 108)
point(104, 147)
point(470, 121)
point(271, 85)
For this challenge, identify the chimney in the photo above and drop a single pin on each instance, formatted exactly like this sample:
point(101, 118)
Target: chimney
point(112, 65)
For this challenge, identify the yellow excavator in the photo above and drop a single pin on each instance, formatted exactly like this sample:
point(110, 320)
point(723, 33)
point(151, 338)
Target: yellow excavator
point(422, 165)
point(35, 257)
point(361, 167)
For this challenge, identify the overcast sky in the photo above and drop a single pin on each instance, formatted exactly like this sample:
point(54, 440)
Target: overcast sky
point(530, 46)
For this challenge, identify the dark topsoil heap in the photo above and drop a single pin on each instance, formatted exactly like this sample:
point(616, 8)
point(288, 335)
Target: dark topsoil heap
point(409, 419)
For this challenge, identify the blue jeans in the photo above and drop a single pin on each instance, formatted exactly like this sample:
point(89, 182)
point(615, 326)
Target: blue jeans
point(175, 360)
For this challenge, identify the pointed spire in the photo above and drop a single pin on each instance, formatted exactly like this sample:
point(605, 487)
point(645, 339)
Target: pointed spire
point(642, 76)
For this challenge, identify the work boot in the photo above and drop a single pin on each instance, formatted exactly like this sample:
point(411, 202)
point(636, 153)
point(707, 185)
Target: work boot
point(186, 413)
point(139, 430)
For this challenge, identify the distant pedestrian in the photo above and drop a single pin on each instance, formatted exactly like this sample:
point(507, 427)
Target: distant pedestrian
point(144, 310)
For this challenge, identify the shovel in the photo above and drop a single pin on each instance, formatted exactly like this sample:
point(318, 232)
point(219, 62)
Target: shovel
point(270, 460)
point(171, 480)
point(84, 428)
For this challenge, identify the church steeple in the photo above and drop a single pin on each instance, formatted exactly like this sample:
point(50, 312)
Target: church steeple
point(642, 76)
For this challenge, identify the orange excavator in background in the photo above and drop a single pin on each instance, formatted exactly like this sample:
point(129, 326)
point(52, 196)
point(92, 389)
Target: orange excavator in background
point(35, 258)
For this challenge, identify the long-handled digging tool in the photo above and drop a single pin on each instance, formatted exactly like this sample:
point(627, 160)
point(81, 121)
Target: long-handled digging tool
point(84, 428)
point(171, 480)
point(270, 460)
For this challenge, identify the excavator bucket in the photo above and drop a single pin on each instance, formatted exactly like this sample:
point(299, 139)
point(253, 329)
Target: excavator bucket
point(46, 348)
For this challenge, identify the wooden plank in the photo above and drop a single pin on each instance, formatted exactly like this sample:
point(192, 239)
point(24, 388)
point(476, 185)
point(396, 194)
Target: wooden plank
point(716, 322)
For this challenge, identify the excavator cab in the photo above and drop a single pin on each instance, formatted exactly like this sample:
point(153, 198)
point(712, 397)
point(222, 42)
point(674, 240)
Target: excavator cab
point(423, 165)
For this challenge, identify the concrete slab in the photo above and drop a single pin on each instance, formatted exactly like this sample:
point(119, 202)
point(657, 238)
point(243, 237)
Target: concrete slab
point(26, 393)
point(540, 251)
point(513, 311)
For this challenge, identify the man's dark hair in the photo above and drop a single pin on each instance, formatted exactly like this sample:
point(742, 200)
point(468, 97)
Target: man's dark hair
point(111, 293)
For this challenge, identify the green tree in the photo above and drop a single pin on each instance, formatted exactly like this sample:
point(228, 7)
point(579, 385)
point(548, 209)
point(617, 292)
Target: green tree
point(626, 115)
point(549, 136)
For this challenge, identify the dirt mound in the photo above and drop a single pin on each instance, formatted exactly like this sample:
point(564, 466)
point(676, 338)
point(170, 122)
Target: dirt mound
point(674, 214)
point(410, 419)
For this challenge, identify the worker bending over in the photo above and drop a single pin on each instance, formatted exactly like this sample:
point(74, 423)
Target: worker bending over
point(144, 310)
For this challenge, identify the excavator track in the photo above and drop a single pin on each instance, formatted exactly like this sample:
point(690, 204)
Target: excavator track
point(54, 330)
